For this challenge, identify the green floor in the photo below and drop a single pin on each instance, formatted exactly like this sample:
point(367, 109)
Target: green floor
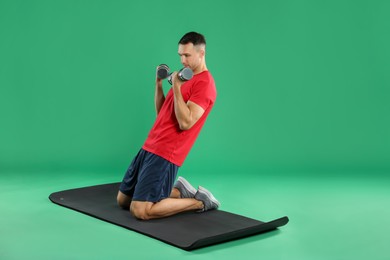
point(331, 217)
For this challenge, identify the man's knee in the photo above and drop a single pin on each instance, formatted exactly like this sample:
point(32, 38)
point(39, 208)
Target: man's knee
point(140, 210)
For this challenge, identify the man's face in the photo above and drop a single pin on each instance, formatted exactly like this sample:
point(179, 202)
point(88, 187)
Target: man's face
point(190, 56)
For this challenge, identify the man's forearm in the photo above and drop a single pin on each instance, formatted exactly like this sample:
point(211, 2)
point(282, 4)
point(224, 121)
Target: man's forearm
point(159, 97)
point(182, 112)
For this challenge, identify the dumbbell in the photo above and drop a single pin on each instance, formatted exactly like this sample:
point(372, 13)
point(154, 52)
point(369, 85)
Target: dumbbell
point(163, 72)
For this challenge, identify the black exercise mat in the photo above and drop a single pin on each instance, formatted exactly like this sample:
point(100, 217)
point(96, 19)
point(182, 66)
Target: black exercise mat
point(187, 231)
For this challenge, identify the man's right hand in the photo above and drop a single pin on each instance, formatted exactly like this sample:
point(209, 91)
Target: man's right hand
point(158, 80)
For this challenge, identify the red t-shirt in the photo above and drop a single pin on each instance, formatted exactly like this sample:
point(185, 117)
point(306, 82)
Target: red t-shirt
point(165, 139)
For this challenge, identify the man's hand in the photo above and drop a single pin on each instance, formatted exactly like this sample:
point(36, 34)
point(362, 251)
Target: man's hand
point(158, 80)
point(176, 82)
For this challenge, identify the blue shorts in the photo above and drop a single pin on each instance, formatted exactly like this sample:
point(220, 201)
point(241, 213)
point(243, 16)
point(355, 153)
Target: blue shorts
point(149, 178)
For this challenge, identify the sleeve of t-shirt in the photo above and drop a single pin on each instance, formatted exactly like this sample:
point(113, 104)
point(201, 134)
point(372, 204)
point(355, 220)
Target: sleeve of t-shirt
point(203, 94)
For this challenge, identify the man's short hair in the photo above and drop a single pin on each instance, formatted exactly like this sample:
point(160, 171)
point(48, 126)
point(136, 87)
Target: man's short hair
point(194, 38)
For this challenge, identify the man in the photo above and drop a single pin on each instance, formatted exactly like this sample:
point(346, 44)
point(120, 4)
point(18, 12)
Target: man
point(147, 188)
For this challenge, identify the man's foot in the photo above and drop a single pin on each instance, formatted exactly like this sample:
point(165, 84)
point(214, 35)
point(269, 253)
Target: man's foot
point(185, 188)
point(209, 201)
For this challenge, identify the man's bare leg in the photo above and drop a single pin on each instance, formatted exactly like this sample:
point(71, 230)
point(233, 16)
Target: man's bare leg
point(175, 194)
point(167, 207)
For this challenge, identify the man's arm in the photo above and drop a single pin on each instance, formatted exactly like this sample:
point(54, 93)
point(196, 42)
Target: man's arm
point(187, 114)
point(159, 97)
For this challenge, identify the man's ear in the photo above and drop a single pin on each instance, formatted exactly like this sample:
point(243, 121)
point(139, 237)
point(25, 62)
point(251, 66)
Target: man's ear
point(202, 52)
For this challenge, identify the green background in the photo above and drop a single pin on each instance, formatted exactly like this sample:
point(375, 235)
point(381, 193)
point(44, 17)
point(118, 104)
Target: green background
point(302, 118)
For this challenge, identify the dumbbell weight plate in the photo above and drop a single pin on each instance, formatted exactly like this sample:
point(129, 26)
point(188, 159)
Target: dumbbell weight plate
point(163, 71)
point(184, 74)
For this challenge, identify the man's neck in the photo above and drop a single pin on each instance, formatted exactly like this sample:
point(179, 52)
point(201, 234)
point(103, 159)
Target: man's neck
point(200, 69)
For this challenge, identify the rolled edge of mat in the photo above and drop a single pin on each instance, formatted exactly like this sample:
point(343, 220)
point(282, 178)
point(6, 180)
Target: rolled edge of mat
point(246, 232)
